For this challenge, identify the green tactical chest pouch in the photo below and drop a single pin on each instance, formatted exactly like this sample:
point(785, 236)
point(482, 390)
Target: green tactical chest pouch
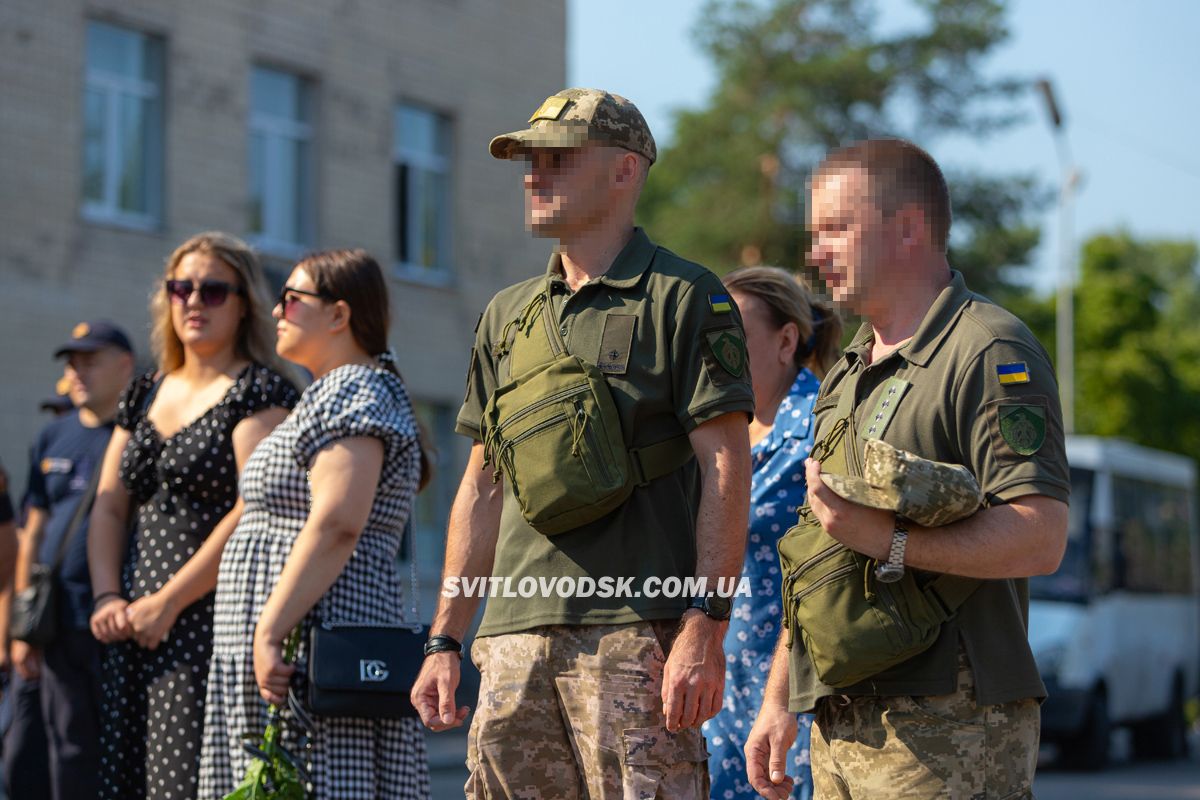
point(554, 431)
point(853, 627)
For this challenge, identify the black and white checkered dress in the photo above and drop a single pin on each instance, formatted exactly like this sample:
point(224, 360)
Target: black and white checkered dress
point(350, 758)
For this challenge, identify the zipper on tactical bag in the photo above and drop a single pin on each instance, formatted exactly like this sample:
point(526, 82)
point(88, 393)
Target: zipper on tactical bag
point(494, 442)
point(883, 596)
point(840, 572)
point(592, 443)
point(505, 455)
point(821, 556)
point(562, 394)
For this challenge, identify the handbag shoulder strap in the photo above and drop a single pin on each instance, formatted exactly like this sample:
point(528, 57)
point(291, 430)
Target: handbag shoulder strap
point(81, 512)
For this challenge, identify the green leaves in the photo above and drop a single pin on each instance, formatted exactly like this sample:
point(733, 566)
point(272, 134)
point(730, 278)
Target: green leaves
point(1137, 341)
point(274, 772)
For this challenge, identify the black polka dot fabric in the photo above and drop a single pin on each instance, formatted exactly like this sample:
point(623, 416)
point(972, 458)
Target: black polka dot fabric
point(181, 487)
point(349, 758)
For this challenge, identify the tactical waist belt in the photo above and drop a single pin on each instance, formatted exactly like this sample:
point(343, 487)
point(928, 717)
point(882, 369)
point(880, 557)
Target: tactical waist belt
point(553, 430)
point(852, 626)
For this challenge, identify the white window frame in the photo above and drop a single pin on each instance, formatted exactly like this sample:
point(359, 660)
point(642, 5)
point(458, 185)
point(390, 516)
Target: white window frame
point(441, 274)
point(114, 88)
point(273, 129)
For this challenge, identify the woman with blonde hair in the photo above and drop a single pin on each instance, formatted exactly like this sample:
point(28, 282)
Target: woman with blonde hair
point(792, 338)
point(328, 495)
point(170, 475)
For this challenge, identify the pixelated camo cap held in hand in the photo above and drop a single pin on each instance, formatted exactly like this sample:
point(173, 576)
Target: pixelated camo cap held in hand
point(574, 117)
point(929, 493)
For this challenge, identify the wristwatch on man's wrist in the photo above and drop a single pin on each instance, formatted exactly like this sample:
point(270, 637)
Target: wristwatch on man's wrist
point(714, 607)
point(892, 570)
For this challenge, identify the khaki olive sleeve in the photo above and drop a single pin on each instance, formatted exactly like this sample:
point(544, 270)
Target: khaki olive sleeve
point(481, 379)
point(710, 369)
point(1009, 423)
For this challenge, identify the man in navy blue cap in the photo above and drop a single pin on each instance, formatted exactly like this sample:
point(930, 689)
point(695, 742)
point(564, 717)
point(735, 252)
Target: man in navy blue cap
point(67, 453)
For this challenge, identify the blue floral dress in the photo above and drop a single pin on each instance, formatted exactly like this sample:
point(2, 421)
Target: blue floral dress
point(777, 491)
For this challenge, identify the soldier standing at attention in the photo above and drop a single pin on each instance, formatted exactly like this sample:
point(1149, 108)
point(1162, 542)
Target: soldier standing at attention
point(946, 375)
point(612, 393)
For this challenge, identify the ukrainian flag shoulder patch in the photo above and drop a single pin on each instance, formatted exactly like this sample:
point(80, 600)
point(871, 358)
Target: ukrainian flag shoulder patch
point(720, 303)
point(1016, 372)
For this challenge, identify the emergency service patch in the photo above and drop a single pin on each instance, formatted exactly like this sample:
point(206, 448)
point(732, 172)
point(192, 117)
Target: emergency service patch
point(1023, 427)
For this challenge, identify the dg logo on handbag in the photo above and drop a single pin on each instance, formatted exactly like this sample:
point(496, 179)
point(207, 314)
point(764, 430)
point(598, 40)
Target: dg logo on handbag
point(372, 670)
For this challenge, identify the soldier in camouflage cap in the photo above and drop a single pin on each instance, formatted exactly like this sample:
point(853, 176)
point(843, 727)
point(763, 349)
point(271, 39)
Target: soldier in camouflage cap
point(927, 492)
point(584, 694)
point(575, 117)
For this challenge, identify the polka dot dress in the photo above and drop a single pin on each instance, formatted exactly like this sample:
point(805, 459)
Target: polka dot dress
point(349, 758)
point(181, 487)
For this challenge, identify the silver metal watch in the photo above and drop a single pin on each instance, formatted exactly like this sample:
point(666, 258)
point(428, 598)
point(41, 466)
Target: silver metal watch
point(892, 570)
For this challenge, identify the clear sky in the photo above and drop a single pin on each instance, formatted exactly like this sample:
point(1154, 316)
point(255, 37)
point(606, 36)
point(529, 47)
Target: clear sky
point(1125, 74)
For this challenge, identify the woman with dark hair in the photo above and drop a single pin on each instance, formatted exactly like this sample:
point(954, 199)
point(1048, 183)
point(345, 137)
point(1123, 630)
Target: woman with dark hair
point(184, 432)
point(792, 337)
point(327, 496)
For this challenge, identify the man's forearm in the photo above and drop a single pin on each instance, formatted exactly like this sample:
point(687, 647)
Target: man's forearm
point(724, 509)
point(776, 692)
point(471, 536)
point(1015, 540)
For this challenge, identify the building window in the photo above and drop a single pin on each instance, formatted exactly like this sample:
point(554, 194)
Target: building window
point(423, 226)
point(123, 127)
point(281, 141)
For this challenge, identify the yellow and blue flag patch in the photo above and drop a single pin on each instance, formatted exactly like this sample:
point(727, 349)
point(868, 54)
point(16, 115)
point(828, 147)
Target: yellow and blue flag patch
point(720, 303)
point(1016, 372)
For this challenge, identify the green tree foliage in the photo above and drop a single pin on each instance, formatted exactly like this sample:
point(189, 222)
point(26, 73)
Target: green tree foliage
point(1137, 341)
point(798, 77)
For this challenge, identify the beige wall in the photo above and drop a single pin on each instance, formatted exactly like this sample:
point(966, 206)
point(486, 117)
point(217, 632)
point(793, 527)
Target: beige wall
point(486, 64)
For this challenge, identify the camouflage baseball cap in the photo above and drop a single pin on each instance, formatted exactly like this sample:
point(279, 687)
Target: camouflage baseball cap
point(929, 493)
point(574, 117)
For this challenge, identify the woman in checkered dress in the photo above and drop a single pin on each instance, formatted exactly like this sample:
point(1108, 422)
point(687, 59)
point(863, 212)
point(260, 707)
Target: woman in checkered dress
point(326, 497)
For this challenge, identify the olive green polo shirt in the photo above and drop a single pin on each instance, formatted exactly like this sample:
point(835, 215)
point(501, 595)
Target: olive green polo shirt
point(972, 387)
point(650, 322)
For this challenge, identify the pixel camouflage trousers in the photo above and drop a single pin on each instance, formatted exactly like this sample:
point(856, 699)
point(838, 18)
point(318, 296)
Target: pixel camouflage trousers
point(574, 711)
point(943, 746)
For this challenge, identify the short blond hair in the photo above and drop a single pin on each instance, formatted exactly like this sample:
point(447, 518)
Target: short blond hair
point(789, 298)
point(256, 332)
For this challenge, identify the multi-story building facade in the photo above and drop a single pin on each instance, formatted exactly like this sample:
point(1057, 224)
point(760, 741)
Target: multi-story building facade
point(126, 126)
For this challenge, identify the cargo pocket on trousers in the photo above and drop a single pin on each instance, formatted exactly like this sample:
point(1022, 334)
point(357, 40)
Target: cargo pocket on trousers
point(656, 763)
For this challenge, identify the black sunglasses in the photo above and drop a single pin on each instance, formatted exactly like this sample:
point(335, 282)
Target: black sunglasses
point(212, 293)
point(285, 300)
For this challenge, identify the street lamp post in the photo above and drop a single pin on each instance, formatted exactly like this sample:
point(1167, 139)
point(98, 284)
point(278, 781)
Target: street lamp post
point(1065, 315)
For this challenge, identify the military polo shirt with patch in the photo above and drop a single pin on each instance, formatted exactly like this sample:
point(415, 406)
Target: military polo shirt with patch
point(670, 342)
point(972, 387)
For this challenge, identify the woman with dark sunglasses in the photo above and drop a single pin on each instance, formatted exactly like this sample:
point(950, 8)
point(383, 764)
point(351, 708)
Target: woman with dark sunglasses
point(170, 475)
point(327, 495)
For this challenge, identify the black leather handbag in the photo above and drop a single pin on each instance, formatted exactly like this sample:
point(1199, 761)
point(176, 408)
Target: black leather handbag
point(363, 670)
point(367, 670)
point(34, 615)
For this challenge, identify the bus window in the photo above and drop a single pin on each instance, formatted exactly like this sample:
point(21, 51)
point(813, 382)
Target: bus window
point(1072, 582)
point(1151, 529)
